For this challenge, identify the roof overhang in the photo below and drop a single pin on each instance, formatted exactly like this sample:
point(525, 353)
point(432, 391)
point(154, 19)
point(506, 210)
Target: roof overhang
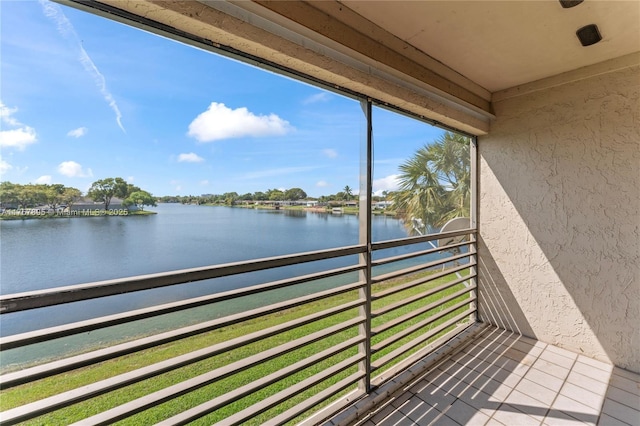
point(445, 61)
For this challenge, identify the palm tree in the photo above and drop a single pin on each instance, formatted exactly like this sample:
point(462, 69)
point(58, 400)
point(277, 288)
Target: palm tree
point(434, 184)
point(348, 192)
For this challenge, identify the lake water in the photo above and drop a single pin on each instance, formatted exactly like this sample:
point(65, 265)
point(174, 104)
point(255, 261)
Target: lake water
point(40, 254)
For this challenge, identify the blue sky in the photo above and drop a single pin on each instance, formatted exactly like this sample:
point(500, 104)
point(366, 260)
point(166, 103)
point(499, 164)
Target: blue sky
point(83, 98)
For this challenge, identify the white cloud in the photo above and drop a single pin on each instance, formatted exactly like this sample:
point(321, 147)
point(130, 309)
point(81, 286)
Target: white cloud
point(46, 180)
point(4, 166)
point(204, 182)
point(18, 138)
point(318, 97)
point(55, 13)
point(78, 133)
point(331, 153)
point(322, 184)
point(190, 158)
point(389, 183)
point(130, 179)
point(219, 122)
point(6, 114)
point(15, 138)
point(73, 169)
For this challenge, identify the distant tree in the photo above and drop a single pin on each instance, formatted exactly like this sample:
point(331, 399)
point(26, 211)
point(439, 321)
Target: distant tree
point(294, 194)
point(131, 189)
point(260, 196)
point(139, 199)
point(70, 196)
point(30, 196)
point(348, 192)
point(9, 194)
point(230, 198)
point(275, 195)
point(53, 194)
point(104, 190)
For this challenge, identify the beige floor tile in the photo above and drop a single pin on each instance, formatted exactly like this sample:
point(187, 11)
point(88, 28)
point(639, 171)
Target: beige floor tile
point(624, 397)
point(575, 409)
point(560, 351)
point(606, 420)
point(587, 382)
point(558, 418)
point(536, 391)
point(544, 379)
point(466, 415)
point(593, 372)
point(625, 384)
point(582, 395)
point(415, 406)
point(441, 421)
point(494, 388)
point(435, 397)
point(480, 400)
point(551, 368)
point(621, 412)
point(595, 363)
point(509, 415)
point(626, 373)
point(561, 360)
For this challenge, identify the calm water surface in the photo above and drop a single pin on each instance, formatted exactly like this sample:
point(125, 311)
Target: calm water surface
point(40, 254)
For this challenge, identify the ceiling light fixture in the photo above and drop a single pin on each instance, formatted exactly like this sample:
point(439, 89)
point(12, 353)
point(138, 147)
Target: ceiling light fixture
point(570, 3)
point(589, 35)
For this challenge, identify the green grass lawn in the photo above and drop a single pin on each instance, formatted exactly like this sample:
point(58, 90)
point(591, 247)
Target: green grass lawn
point(53, 385)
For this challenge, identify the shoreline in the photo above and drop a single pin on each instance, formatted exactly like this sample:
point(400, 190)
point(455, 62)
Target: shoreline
point(29, 214)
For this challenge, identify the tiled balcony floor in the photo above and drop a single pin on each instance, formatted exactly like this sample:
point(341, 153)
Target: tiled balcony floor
point(504, 379)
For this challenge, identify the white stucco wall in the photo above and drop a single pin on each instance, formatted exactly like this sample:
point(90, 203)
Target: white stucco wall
point(559, 245)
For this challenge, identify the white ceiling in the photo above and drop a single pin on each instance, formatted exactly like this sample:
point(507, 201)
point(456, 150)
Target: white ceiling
point(502, 44)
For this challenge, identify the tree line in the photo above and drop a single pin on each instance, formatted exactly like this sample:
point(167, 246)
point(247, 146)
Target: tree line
point(434, 187)
point(13, 195)
point(232, 198)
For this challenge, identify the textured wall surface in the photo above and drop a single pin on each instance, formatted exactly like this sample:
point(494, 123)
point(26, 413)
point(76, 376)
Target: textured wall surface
point(559, 244)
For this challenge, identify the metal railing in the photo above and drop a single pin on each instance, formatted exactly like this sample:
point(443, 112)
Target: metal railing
point(308, 345)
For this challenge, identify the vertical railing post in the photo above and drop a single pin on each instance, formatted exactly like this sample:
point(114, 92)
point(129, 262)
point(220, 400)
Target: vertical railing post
point(473, 247)
point(364, 220)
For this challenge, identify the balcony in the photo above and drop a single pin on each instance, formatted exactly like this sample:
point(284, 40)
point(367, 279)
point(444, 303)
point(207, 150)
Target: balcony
point(554, 256)
point(497, 377)
point(390, 311)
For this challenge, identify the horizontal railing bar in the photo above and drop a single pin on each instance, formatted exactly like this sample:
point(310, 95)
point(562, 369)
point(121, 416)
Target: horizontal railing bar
point(74, 293)
point(381, 245)
point(418, 268)
point(406, 256)
point(427, 321)
point(416, 342)
point(140, 404)
point(57, 367)
point(315, 400)
point(216, 403)
point(270, 402)
point(422, 310)
point(409, 300)
point(51, 333)
point(83, 393)
point(170, 336)
point(422, 280)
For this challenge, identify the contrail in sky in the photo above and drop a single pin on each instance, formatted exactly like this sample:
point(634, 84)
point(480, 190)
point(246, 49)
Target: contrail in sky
point(53, 12)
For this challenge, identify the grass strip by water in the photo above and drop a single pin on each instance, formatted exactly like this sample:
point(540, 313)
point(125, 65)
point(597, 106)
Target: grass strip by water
point(63, 382)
